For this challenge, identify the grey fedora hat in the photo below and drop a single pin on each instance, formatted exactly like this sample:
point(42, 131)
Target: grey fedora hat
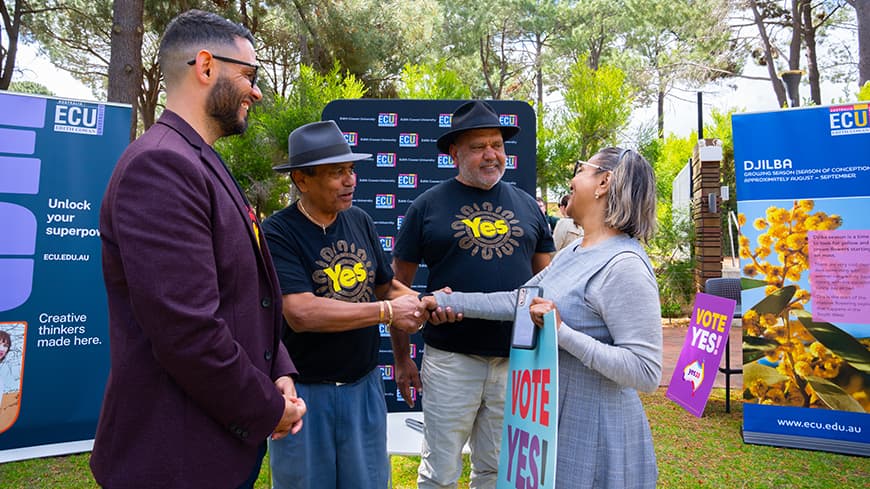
point(317, 143)
point(473, 115)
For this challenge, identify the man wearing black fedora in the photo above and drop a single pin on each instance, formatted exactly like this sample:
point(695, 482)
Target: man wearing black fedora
point(476, 234)
point(337, 286)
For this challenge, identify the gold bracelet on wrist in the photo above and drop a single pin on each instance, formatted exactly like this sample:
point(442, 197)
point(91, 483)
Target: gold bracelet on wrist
point(390, 309)
point(381, 312)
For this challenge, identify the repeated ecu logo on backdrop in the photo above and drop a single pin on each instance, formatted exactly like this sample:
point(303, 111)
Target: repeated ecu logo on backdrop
point(401, 136)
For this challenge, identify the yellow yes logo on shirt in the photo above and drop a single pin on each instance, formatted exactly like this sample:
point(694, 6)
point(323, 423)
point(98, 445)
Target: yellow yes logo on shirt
point(344, 272)
point(487, 229)
point(344, 277)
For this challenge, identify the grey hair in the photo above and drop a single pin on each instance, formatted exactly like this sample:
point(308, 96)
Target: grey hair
point(191, 31)
point(631, 200)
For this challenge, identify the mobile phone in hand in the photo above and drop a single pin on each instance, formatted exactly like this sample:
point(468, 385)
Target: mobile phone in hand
point(525, 333)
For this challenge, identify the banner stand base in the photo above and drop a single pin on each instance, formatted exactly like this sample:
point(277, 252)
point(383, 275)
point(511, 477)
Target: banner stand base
point(807, 443)
point(52, 450)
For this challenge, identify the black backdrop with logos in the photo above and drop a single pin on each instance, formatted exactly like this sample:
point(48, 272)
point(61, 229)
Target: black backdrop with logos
point(405, 162)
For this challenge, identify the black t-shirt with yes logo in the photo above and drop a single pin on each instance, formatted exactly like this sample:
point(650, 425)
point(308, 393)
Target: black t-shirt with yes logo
point(346, 263)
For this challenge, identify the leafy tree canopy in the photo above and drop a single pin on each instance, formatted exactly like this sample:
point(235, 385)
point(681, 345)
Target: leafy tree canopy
point(252, 155)
point(431, 82)
point(30, 87)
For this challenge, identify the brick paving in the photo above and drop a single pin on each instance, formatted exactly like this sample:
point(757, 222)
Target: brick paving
point(673, 338)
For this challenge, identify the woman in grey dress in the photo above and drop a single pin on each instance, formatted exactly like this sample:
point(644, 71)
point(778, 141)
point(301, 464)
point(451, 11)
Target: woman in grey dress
point(608, 317)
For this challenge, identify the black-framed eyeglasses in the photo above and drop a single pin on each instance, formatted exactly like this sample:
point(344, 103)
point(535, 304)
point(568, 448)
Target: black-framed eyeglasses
point(580, 163)
point(252, 78)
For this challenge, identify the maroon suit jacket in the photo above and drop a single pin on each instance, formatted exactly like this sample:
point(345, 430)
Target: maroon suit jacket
point(194, 320)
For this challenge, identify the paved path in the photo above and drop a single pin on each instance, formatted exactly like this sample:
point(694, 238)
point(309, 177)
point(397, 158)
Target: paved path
point(673, 338)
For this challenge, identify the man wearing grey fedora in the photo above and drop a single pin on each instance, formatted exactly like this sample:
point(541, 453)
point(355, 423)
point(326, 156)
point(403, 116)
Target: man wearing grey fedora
point(337, 286)
point(475, 234)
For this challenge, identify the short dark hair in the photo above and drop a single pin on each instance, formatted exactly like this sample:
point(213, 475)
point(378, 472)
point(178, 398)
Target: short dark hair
point(564, 201)
point(191, 31)
point(311, 171)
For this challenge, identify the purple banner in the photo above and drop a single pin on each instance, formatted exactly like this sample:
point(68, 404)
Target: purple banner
point(23, 111)
point(17, 141)
point(18, 226)
point(702, 351)
point(16, 282)
point(19, 175)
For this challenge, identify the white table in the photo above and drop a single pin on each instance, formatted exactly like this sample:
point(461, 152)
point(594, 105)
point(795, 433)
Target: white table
point(401, 438)
point(404, 440)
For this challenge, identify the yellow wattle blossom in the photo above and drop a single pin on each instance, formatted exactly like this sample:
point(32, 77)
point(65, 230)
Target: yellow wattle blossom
point(805, 205)
point(794, 352)
point(775, 215)
point(793, 274)
point(776, 395)
point(768, 319)
point(818, 349)
point(758, 388)
point(803, 369)
point(796, 241)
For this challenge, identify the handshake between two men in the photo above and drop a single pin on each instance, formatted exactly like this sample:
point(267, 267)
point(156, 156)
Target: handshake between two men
point(409, 313)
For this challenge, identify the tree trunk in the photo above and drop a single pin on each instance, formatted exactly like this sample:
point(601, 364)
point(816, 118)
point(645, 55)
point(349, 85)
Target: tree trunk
point(11, 26)
point(862, 13)
point(778, 88)
point(149, 95)
point(539, 71)
point(660, 115)
point(596, 48)
point(794, 48)
point(809, 32)
point(125, 63)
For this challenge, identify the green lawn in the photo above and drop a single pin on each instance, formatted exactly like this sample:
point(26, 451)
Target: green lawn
point(706, 452)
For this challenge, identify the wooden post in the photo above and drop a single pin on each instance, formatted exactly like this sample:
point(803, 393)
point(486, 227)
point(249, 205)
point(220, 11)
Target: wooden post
point(706, 159)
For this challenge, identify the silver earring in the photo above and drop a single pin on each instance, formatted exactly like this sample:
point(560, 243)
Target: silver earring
point(596, 195)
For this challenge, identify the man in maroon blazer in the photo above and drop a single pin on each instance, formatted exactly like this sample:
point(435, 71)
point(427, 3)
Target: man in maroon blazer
point(199, 377)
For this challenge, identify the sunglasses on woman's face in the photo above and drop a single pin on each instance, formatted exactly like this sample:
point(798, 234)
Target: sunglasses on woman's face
point(580, 164)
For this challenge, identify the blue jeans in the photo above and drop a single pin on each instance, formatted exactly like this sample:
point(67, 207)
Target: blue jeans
point(343, 441)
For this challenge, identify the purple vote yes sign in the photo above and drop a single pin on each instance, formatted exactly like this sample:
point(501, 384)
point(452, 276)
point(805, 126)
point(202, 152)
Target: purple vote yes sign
point(706, 340)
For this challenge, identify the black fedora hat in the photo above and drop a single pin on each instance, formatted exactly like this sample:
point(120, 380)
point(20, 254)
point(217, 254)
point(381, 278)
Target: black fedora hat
point(473, 115)
point(317, 143)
